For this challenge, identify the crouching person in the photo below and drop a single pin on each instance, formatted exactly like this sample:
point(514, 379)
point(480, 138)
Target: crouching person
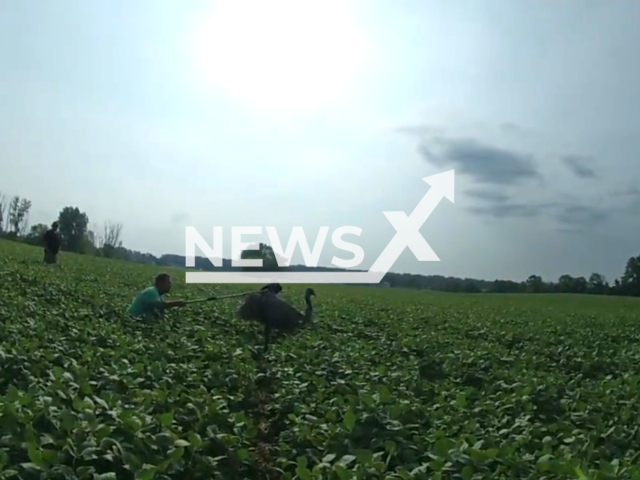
point(149, 304)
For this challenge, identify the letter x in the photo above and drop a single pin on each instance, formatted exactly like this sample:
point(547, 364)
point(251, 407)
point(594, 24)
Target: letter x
point(408, 235)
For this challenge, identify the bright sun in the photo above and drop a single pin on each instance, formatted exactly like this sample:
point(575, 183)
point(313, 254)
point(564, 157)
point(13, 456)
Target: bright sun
point(283, 54)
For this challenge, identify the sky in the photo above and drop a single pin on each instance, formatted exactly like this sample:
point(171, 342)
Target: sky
point(161, 114)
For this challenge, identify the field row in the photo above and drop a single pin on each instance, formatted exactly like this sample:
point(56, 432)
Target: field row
point(386, 383)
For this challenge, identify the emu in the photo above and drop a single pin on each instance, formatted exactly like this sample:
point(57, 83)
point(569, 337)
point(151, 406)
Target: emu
point(274, 288)
point(274, 313)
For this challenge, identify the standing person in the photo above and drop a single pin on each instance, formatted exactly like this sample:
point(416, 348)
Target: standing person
point(51, 244)
point(149, 302)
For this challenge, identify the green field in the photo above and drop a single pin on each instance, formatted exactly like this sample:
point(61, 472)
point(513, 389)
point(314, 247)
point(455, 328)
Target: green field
point(386, 383)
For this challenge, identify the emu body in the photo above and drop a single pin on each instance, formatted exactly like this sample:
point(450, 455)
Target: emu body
point(274, 313)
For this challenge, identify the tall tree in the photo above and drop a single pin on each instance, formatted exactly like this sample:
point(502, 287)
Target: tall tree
point(566, 284)
point(534, 284)
point(264, 252)
point(19, 215)
point(112, 232)
point(89, 242)
point(110, 240)
point(36, 234)
point(597, 284)
point(616, 288)
point(580, 285)
point(631, 278)
point(24, 209)
point(12, 214)
point(3, 210)
point(73, 228)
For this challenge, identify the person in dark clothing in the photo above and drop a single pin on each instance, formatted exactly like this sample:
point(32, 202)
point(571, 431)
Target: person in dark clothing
point(51, 244)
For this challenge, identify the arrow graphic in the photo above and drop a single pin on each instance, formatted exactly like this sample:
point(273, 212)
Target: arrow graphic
point(408, 228)
point(407, 235)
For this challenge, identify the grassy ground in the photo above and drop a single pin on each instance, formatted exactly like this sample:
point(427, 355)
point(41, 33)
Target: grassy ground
point(386, 384)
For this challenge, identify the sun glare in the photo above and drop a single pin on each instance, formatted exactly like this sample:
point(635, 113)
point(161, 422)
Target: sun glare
point(282, 54)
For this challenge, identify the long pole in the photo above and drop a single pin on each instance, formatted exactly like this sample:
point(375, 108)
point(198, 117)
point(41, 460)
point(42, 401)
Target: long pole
point(208, 299)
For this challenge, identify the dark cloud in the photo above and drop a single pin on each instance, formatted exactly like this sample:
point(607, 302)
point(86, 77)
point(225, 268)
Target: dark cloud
point(569, 216)
point(508, 210)
point(630, 192)
point(577, 216)
point(488, 195)
point(485, 163)
point(627, 201)
point(578, 167)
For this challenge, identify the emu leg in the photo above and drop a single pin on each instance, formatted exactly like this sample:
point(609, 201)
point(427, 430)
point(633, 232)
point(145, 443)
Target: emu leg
point(267, 332)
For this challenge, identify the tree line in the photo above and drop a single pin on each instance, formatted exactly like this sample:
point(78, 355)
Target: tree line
point(78, 237)
point(75, 234)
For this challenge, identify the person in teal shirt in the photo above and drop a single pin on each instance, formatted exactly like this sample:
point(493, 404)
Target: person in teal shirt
point(149, 302)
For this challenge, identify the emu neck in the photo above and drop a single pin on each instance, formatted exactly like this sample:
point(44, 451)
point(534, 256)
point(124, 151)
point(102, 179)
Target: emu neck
point(309, 310)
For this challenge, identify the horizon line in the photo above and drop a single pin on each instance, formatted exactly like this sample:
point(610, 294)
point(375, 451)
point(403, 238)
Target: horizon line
point(284, 277)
